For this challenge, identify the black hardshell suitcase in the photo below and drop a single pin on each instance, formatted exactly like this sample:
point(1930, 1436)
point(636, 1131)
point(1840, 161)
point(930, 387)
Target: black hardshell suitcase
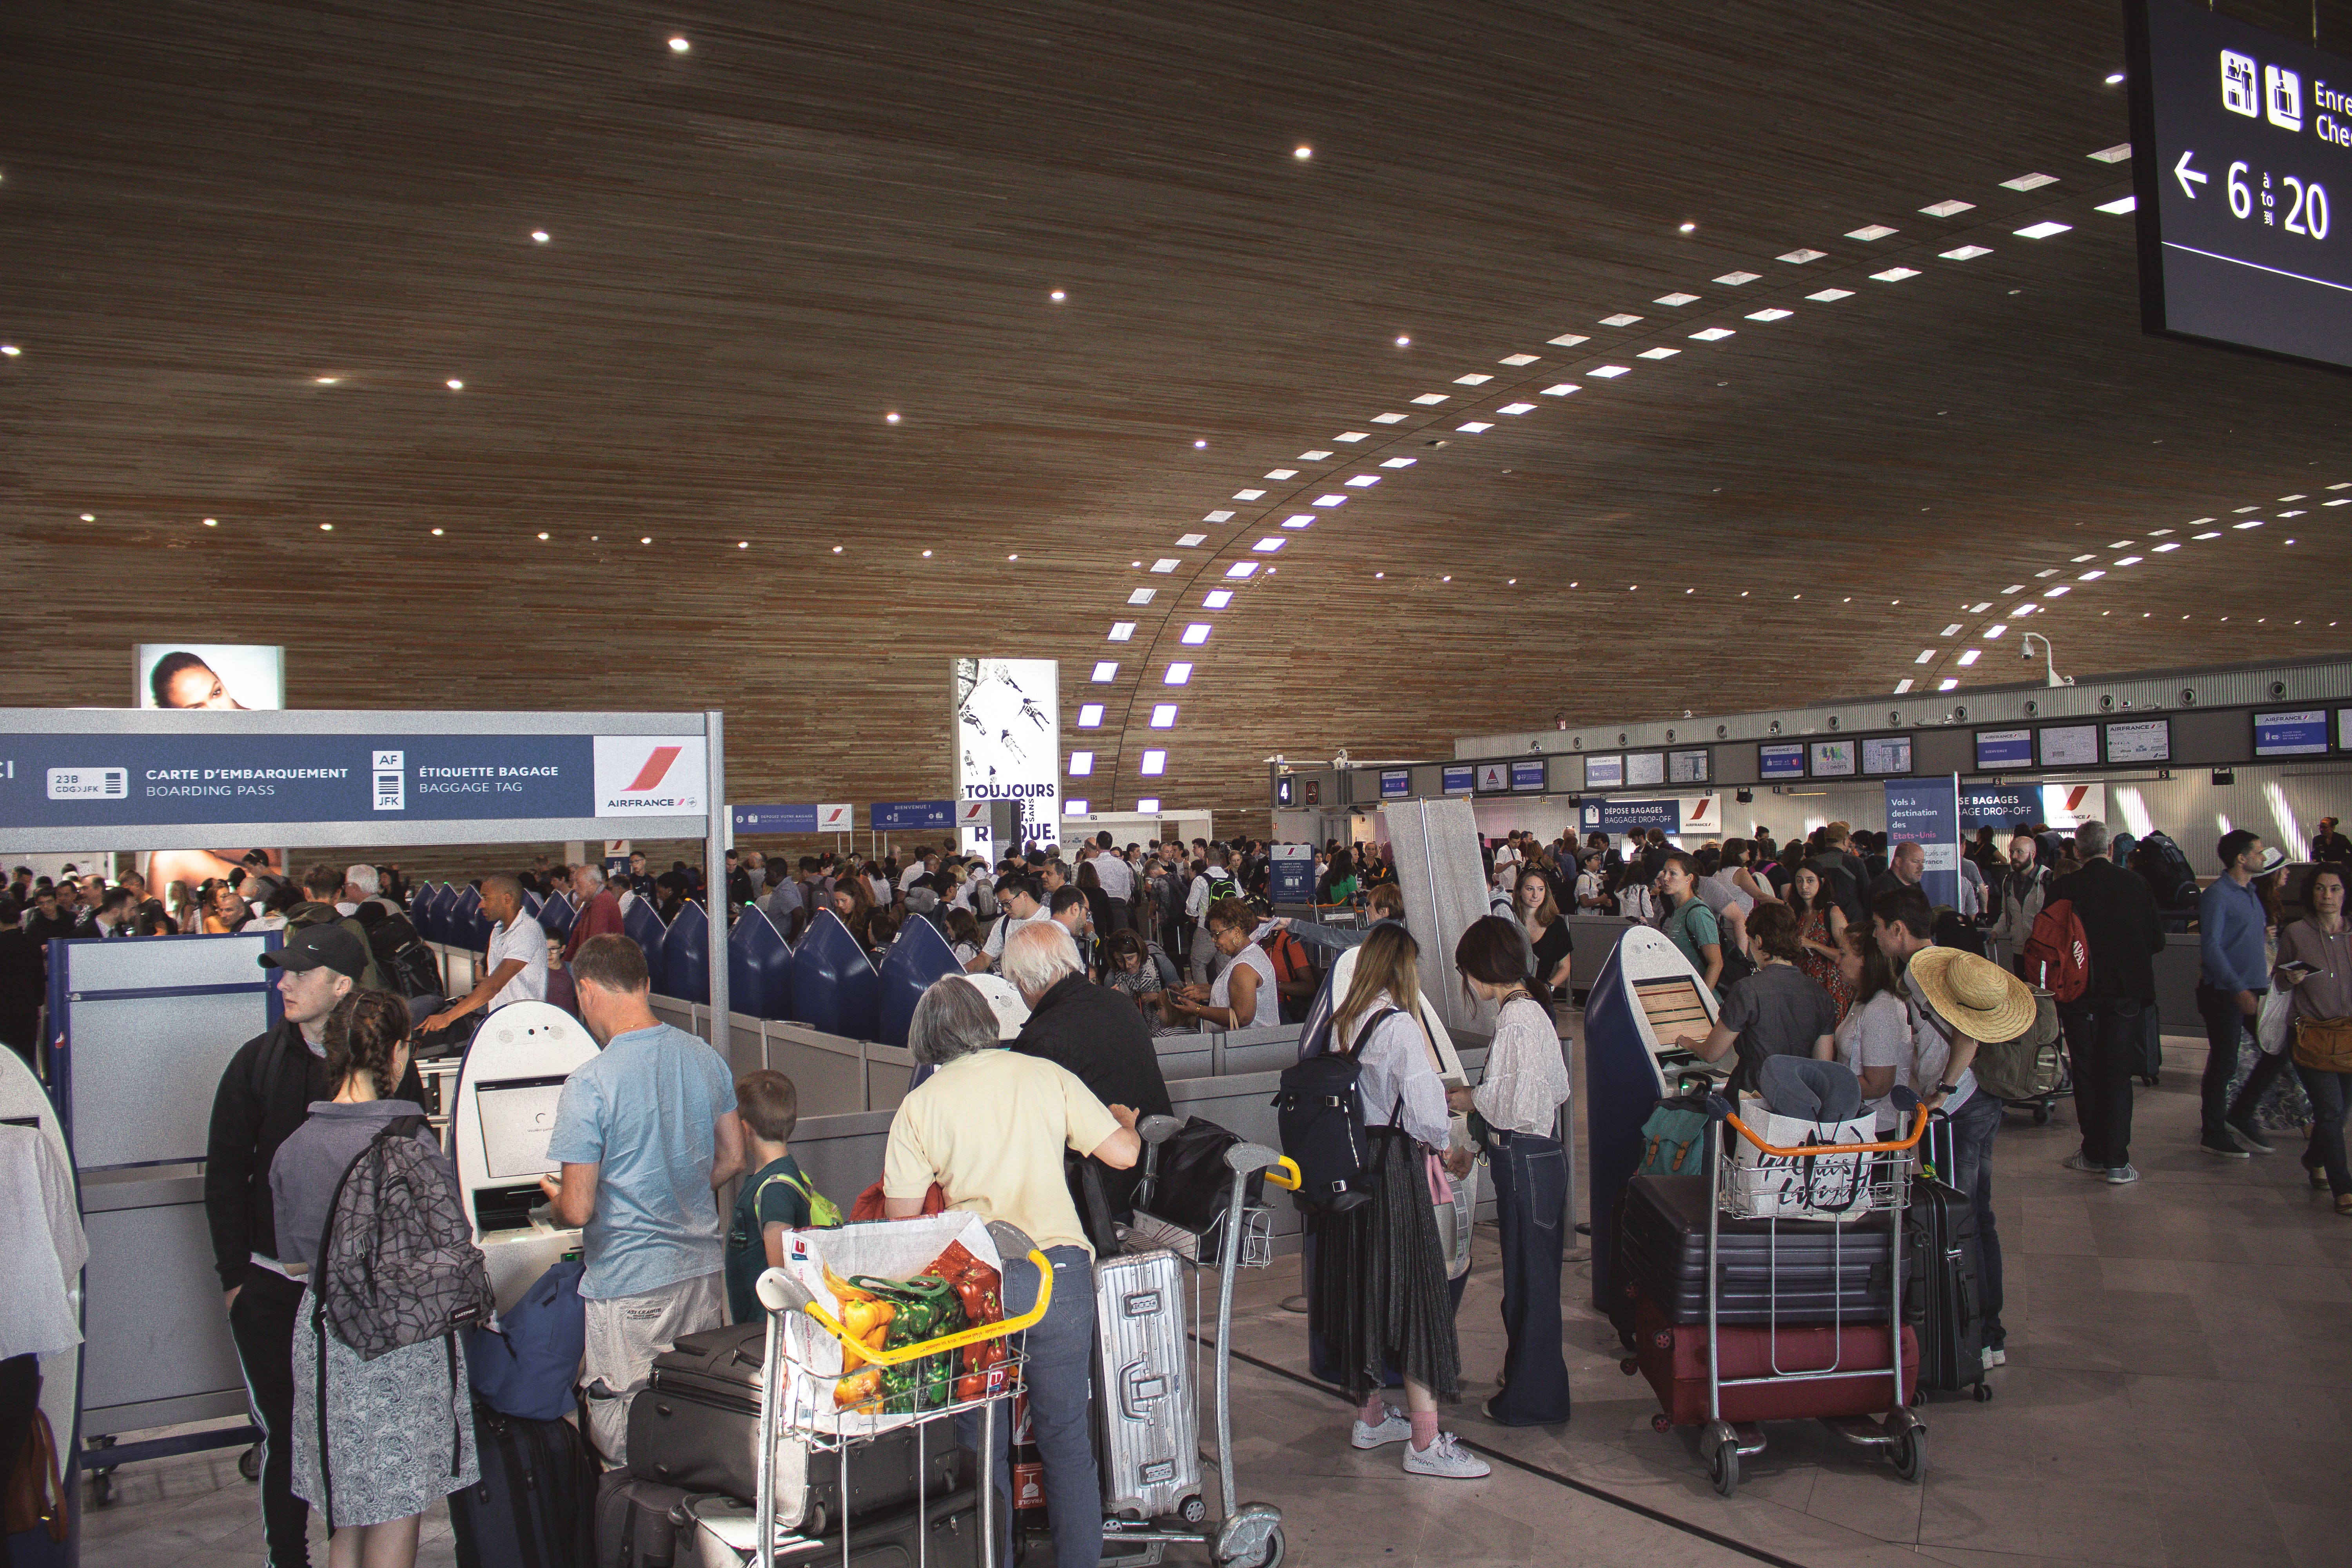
point(1794, 1271)
point(695, 1426)
point(535, 1506)
point(1944, 1292)
point(633, 1525)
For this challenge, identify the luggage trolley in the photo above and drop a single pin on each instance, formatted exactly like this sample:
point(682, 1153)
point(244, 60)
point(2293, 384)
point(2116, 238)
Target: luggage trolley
point(1750, 1191)
point(780, 1293)
point(1249, 1535)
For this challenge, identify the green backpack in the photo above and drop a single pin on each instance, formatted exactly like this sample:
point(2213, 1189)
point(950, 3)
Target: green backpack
point(1675, 1140)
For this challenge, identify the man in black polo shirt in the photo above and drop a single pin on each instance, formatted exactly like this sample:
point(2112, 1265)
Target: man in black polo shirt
point(2124, 933)
point(265, 1094)
point(1093, 1030)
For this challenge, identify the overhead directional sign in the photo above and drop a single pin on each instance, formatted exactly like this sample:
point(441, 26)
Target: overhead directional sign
point(2241, 141)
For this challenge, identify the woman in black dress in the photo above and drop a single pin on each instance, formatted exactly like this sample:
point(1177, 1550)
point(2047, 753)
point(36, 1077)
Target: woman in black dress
point(1536, 904)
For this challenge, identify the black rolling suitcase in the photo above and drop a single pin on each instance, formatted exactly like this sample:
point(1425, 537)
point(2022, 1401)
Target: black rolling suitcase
point(1943, 1293)
point(893, 1539)
point(2150, 1065)
point(635, 1523)
point(535, 1506)
point(695, 1427)
point(1789, 1271)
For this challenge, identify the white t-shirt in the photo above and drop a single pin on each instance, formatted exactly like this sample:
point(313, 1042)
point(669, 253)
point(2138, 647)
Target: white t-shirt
point(1877, 1033)
point(525, 940)
point(907, 877)
point(1117, 876)
point(1005, 926)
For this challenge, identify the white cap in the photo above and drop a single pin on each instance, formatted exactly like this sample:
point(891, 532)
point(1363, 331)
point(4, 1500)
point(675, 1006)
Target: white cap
point(1011, 1011)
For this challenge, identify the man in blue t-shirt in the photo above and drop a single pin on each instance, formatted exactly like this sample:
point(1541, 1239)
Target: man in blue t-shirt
point(2234, 975)
point(645, 1133)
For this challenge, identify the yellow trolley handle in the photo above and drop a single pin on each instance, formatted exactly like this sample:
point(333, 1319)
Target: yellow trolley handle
point(955, 1341)
point(1284, 1174)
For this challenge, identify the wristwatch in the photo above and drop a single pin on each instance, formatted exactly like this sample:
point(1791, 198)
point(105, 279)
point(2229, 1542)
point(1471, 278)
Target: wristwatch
point(1948, 1089)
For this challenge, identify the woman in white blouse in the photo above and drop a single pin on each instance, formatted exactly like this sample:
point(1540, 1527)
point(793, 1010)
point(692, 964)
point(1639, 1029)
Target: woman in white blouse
point(1520, 1100)
point(1378, 1293)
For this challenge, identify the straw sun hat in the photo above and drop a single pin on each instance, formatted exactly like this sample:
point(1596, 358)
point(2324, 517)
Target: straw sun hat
point(1975, 996)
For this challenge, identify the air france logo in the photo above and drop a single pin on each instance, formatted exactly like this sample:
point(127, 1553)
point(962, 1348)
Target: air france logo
point(655, 769)
point(2280, 98)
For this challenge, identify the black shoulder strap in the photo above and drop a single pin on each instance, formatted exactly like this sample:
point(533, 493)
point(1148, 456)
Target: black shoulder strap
point(1370, 1025)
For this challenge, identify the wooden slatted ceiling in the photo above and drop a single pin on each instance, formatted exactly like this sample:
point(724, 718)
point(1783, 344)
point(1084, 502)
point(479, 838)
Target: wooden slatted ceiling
point(822, 212)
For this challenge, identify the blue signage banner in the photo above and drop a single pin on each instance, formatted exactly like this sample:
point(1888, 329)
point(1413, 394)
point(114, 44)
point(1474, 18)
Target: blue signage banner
point(911, 816)
point(1629, 816)
point(1927, 812)
point(2302, 733)
point(1997, 806)
point(775, 818)
point(1290, 875)
point(1396, 783)
point(1462, 779)
point(2004, 749)
point(1527, 777)
point(98, 781)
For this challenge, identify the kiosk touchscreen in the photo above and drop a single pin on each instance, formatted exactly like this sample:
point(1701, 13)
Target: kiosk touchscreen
point(1645, 997)
point(504, 1115)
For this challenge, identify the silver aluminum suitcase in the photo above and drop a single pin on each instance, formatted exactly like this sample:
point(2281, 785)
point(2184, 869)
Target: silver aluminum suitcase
point(1149, 1412)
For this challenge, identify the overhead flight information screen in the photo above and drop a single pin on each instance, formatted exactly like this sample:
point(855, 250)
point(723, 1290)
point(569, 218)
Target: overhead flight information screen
point(2241, 145)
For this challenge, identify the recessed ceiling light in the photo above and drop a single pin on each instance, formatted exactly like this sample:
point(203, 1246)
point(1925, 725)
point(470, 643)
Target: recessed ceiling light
point(1658, 354)
point(1827, 295)
point(1120, 631)
point(2114, 78)
point(1282, 473)
point(2167, 545)
point(648, 539)
point(1300, 519)
point(1165, 563)
point(2120, 205)
point(1947, 208)
point(926, 555)
point(1090, 715)
point(679, 46)
point(1379, 575)
point(457, 385)
point(542, 536)
point(1315, 456)
point(1218, 517)
point(1196, 634)
point(2061, 590)
point(1187, 541)
point(1360, 482)
point(1771, 315)
point(1402, 341)
point(1200, 445)
point(1106, 670)
point(1409, 462)
point(2043, 229)
point(1302, 152)
point(1568, 339)
point(1448, 578)
point(1013, 557)
point(327, 379)
point(2050, 572)
point(2250, 523)
point(1734, 279)
point(209, 522)
point(1082, 764)
point(1216, 598)
point(1690, 228)
point(2114, 154)
point(1609, 372)
point(891, 417)
point(1871, 232)
point(1993, 634)
point(2093, 576)
point(2029, 182)
point(1894, 275)
point(1057, 296)
point(1926, 656)
point(1947, 685)
point(1269, 544)
point(1621, 319)
point(1178, 674)
point(2129, 559)
point(1472, 380)
point(1711, 335)
point(1349, 437)
point(11, 350)
point(2292, 511)
point(1432, 399)
point(1515, 408)
point(1968, 658)
point(2080, 559)
point(539, 235)
point(1154, 763)
point(2298, 496)
point(326, 528)
point(1474, 427)
point(1141, 595)
point(1163, 715)
point(1560, 389)
point(1966, 253)
point(837, 550)
point(1518, 359)
point(1388, 418)
point(1248, 495)
point(1952, 630)
point(1798, 257)
point(1677, 299)
point(1241, 569)
point(437, 533)
point(1332, 500)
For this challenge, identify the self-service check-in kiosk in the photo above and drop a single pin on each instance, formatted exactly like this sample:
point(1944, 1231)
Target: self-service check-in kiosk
point(504, 1116)
point(1646, 997)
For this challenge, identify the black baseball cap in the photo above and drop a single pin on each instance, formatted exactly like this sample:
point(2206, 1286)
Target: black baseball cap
point(312, 947)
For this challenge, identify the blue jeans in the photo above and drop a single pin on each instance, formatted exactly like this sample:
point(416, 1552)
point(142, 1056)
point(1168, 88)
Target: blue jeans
point(2330, 1093)
point(1061, 1355)
point(1531, 1185)
point(2103, 1035)
point(1974, 1126)
point(2225, 1029)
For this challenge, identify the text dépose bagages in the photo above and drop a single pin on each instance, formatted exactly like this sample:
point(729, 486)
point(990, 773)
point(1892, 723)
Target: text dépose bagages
point(696, 1425)
point(1800, 1271)
point(723, 1537)
point(1944, 1292)
point(636, 1527)
point(1673, 1357)
point(535, 1506)
point(1149, 1412)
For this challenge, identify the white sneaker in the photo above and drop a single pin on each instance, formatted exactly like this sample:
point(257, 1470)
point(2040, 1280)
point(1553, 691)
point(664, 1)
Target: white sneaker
point(2076, 1161)
point(1393, 1428)
point(1993, 1358)
point(2121, 1175)
point(1447, 1457)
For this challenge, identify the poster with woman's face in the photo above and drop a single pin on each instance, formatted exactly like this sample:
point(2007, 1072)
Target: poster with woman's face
point(209, 675)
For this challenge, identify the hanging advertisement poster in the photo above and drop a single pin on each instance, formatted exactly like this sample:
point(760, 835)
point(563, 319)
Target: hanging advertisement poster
point(1008, 736)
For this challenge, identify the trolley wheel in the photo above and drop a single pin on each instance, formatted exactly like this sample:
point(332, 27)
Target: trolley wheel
point(1662, 1422)
point(1628, 1366)
point(1193, 1510)
point(2041, 1114)
point(1983, 1391)
point(1723, 1468)
point(101, 1487)
point(1911, 1453)
point(1268, 1556)
point(248, 1464)
point(2150, 1080)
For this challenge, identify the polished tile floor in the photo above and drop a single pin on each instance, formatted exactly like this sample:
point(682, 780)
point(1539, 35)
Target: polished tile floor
point(2179, 1392)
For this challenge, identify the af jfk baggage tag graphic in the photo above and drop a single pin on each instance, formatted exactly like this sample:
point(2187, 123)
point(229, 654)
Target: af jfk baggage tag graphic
point(652, 775)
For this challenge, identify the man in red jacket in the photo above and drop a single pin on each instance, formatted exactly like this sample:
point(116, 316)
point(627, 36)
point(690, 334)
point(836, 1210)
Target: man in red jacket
point(600, 912)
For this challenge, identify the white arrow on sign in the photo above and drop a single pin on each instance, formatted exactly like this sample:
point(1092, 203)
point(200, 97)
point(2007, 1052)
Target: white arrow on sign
point(2184, 174)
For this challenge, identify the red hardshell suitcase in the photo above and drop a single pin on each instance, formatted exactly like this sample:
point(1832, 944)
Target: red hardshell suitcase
point(1673, 1356)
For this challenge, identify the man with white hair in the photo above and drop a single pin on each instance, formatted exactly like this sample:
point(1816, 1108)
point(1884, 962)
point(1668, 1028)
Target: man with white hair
point(600, 912)
point(1094, 1031)
point(360, 884)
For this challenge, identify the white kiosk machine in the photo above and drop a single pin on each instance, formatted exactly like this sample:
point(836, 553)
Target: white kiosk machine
point(499, 1131)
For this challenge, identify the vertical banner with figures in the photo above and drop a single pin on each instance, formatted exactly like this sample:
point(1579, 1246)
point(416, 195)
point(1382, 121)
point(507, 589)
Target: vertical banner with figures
point(1927, 812)
point(1008, 738)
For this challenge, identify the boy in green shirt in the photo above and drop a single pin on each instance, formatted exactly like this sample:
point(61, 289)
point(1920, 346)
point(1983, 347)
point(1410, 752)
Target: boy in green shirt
point(775, 1196)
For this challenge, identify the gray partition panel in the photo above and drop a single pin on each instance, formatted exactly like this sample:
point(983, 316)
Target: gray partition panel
point(124, 1039)
point(158, 1349)
point(842, 1155)
point(1596, 938)
point(1443, 881)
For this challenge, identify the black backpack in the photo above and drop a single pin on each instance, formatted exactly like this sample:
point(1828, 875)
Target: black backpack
point(406, 964)
point(2166, 869)
point(1321, 1115)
